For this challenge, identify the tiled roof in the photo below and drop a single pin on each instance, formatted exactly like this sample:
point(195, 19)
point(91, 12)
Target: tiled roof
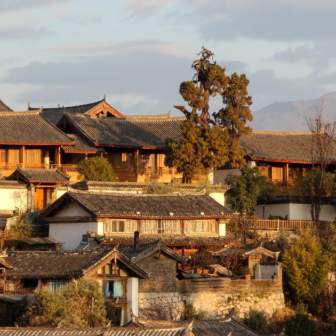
point(39, 241)
point(173, 240)
point(282, 146)
point(145, 250)
point(55, 114)
point(201, 327)
point(197, 205)
point(246, 251)
point(4, 107)
point(112, 331)
point(81, 146)
point(75, 263)
point(39, 175)
point(30, 128)
point(137, 133)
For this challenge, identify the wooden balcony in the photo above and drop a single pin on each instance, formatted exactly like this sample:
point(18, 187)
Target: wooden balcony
point(284, 187)
point(288, 225)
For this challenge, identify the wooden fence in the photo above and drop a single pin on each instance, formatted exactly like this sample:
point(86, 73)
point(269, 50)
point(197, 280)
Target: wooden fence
point(290, 225)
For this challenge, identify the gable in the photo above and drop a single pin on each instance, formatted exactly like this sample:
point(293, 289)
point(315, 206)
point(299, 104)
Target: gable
point(71, 210)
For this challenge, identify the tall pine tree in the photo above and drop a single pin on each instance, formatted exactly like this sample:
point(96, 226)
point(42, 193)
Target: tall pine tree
point(208, 142)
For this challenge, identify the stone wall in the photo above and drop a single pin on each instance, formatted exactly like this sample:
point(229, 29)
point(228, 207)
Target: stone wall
point(162, 296)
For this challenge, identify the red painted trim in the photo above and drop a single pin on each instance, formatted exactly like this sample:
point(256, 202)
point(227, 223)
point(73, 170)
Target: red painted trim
point(118, 146)
point(149, 217)
point(101, 106)
point(82, 152)
point(284, 161)
point(39, 144)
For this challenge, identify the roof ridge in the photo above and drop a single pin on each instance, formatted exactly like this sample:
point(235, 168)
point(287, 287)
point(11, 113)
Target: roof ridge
point(175, 194)
point(22, 112)
point(9, 109)
point(62, 107)
point(280, 132)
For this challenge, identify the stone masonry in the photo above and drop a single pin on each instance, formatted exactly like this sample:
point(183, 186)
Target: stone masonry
point(162, 296)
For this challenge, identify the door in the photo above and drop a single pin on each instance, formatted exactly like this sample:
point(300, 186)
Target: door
point(39, 199)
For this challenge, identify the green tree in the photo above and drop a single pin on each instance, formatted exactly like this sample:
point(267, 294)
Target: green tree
point(79, 304)
point(207, 142)
point(155, 187)
point(306, 267)
point(96, 168)
point(316, 185)
point(248, 189)
point(19, 228)
point(256, 320)
point(300, 324)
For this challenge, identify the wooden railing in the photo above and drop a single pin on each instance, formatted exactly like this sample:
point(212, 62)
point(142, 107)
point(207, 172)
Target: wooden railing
point(23, 291)
point(290, 225)
point(62, 167)
point(144, 170)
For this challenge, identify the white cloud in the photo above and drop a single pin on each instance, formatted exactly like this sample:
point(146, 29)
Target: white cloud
point(145, 8)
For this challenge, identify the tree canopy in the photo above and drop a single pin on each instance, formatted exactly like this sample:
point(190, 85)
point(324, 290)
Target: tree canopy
point(96, 168)
point(306, 267)
point(209, 141)
point(247, 189)
point(79, 304)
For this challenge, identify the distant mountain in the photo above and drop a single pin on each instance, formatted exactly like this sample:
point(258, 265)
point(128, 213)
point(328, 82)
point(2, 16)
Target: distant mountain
point(289, 116)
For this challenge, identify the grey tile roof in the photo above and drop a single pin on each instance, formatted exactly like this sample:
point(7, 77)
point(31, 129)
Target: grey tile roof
point(30, 128)
point(246, 251)
point(130, 133)
point(82, 146)
point(39, 175)
point(172, 240)
point(197, 205)
point(282, 146)
point(112, 331)
point(55, 114)
point(201, 327)
point(43, 264)
point(4, 107)
point(47, 263)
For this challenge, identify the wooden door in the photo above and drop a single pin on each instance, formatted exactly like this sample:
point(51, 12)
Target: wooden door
point(40, 200)
point(277, 173)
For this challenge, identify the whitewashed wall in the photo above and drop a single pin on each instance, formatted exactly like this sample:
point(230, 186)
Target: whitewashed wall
point(71, 234)
point(12, 198)
point(219, 197)
point(273, 210)
point(220, 175)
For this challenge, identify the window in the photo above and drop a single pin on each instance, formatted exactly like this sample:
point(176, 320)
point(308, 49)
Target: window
point(158, 226)
point(264, 171)
point(54, 285)
point(118, 159)
point(147, 160)
point(3, 155)
point(33, 156)
point(129, 159)
point(119, 317)
point(114, 289)
point(198, 226)
point(118, 225)
point(277, 173)
point(14, 155)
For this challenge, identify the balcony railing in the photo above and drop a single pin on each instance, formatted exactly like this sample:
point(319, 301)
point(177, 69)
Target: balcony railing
point(62, 167)
point(289, 225)
point(144, 170)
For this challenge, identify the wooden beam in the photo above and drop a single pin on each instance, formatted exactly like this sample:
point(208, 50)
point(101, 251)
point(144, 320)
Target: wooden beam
point(23, 153)
point(136, 163)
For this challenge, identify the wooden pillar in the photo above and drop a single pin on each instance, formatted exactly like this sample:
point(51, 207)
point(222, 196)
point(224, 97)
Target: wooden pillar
point(183, 233)
point(139, 228)
point(59, 157)
point(136, 163)
point(23, 159)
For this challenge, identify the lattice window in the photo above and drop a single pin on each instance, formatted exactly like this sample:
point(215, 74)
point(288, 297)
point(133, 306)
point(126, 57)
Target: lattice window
point(120, 226)
point(158, 226)
point(33, 156)
point(197, 226)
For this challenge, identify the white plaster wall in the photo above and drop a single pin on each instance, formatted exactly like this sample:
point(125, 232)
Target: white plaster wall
point(100, 228)
point(219, 197)
point(70, 234)
point(273, 210)
point(266, 271)
point(302, 211)
point(12, 198)
point(132, 297)
point(71, 210)
point(220, 175)
point(59, 193)
point(222, 229)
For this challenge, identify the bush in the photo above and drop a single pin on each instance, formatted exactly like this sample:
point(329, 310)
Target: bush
point(282, 241)
point(300, 324)
point(96, 168)
point(155, 187)
point(256, 320)
point(191, 313)
point(80, 304)
point(19, 228)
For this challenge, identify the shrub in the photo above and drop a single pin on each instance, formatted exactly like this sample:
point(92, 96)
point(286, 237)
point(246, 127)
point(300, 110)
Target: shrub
point(19, 228)
point(256, 320)
point(300, 324)
point(96, 168)
point(155, 187)
point(191, 313)
point(80, 304)
point(282, 241)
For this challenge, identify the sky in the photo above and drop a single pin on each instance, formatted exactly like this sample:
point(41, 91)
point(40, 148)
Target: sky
point(137, 52)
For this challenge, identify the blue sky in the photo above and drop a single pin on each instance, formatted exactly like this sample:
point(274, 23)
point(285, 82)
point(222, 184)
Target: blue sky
point(138, 51)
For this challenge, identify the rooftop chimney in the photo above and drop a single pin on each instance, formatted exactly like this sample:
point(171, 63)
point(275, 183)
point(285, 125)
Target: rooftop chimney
point(136, 241)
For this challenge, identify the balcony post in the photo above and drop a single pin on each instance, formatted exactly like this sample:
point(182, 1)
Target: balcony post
point(23, 156)
point(59, 157)
point(136, 163)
